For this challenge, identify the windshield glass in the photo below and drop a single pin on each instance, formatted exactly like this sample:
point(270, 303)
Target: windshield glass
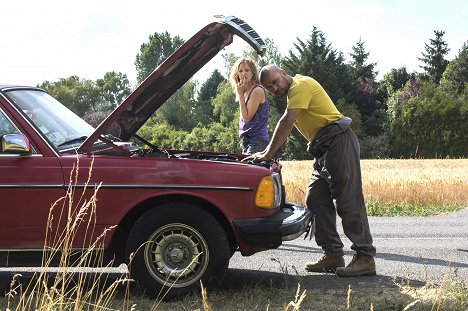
point(63, 128)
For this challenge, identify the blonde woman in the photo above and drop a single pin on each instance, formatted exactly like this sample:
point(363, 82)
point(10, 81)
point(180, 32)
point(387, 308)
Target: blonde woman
point(253, 106)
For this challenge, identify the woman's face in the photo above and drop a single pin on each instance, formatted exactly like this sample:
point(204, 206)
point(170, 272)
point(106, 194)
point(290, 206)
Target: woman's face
point(244, 74)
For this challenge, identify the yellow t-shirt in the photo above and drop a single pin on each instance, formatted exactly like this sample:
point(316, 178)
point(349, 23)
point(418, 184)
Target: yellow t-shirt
point(318, 109)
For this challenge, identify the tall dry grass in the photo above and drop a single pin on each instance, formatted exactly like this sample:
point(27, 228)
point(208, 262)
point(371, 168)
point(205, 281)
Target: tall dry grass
point(388, 182)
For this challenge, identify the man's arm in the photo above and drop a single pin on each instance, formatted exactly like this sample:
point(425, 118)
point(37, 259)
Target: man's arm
point(281, 133)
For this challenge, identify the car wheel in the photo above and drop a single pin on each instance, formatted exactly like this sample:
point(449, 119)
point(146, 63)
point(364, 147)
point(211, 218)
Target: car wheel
point(175, 246)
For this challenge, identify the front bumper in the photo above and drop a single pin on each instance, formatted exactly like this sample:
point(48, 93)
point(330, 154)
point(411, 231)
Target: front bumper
point(269, 232)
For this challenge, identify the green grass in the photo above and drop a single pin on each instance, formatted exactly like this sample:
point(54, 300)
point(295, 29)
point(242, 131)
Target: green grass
point(375, 209)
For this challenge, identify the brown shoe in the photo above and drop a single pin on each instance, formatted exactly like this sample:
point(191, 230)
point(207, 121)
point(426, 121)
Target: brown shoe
point(360, 265)
point(326, 263)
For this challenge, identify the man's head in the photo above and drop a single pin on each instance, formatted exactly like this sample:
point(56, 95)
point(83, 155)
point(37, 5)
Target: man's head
point(275, 80)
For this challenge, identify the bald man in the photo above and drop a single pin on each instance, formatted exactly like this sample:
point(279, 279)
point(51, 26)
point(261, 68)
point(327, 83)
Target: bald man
point(335, 185)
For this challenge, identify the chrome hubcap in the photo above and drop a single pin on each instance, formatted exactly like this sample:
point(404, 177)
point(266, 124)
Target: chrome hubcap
point(176, 254)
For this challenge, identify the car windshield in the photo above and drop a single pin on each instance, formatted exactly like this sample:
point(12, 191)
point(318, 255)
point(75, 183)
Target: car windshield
point(63, 128)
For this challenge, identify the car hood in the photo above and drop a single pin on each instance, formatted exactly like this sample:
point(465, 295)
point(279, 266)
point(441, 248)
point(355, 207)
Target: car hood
point(170, 75)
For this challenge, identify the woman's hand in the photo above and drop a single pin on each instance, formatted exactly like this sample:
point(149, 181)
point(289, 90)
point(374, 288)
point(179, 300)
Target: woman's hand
point(241, 86)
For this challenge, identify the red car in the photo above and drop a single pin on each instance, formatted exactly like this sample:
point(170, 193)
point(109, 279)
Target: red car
point(179, 215)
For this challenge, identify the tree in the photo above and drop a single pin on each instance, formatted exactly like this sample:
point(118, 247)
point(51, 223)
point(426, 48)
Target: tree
point(79, 95)
point(162, 135)
point(113, 89)
point(316, 58)
point(455, 77)
point(433, 59)
point(395, 80)
point(154, 52)
point(225, 106)
point(362, 70)
point(367, 96)
point(208, 90)
point(178, 111)
point(432, 123)
point(85, 97)
point(214, 137)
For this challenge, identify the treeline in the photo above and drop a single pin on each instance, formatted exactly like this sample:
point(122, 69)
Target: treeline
point(403, 115)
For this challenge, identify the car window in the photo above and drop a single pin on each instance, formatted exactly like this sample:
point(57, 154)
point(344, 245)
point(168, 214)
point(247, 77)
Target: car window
point(55, 121)
point(6, 126)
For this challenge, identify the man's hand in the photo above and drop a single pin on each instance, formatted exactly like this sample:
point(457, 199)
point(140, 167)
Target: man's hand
point(257, 157)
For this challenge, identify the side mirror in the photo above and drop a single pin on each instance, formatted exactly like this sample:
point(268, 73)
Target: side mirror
point(15, 143)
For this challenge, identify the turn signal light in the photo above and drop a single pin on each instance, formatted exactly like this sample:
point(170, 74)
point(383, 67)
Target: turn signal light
point(265, 195)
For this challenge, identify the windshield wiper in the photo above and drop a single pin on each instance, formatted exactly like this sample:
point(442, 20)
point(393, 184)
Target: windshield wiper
point(73, 140)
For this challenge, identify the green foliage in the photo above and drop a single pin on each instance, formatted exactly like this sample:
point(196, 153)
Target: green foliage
point(376, 124)
point(113, 88)
point(225, 105)
point(295, 148)
point(432, 123)
point(209, 88)
point(317, 59)
point(214, 137)
point(433, 59)
point(79, 95)
point(396, 79)
point(154, 52)
point(203, 108)
point(84, 96)
point(367, 97)
point(178, 110)
point(391, 87)
point(351, 111)
point(455, 77)
point(362, 70)
point(375, 147)
point(163, 135)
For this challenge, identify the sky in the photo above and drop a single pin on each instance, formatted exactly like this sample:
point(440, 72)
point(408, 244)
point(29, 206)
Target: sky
point(45, 40)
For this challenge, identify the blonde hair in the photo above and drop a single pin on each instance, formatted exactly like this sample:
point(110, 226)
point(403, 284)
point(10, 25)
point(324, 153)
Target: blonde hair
point(234, 76)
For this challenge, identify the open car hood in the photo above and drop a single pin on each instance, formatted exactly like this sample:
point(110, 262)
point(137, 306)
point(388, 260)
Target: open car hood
point(170, 75)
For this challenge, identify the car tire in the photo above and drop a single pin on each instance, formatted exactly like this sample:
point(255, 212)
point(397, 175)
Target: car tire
point(175, 246)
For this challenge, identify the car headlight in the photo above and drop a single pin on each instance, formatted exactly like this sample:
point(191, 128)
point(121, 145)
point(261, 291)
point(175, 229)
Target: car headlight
point(268, 193)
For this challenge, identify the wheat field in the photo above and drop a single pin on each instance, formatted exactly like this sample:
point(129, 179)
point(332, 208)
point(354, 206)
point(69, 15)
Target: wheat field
point(400, 181)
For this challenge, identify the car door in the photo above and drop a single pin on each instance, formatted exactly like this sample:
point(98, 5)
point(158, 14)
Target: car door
point(29, 184)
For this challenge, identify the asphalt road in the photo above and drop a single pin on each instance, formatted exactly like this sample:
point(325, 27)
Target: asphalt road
point(410, 250)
